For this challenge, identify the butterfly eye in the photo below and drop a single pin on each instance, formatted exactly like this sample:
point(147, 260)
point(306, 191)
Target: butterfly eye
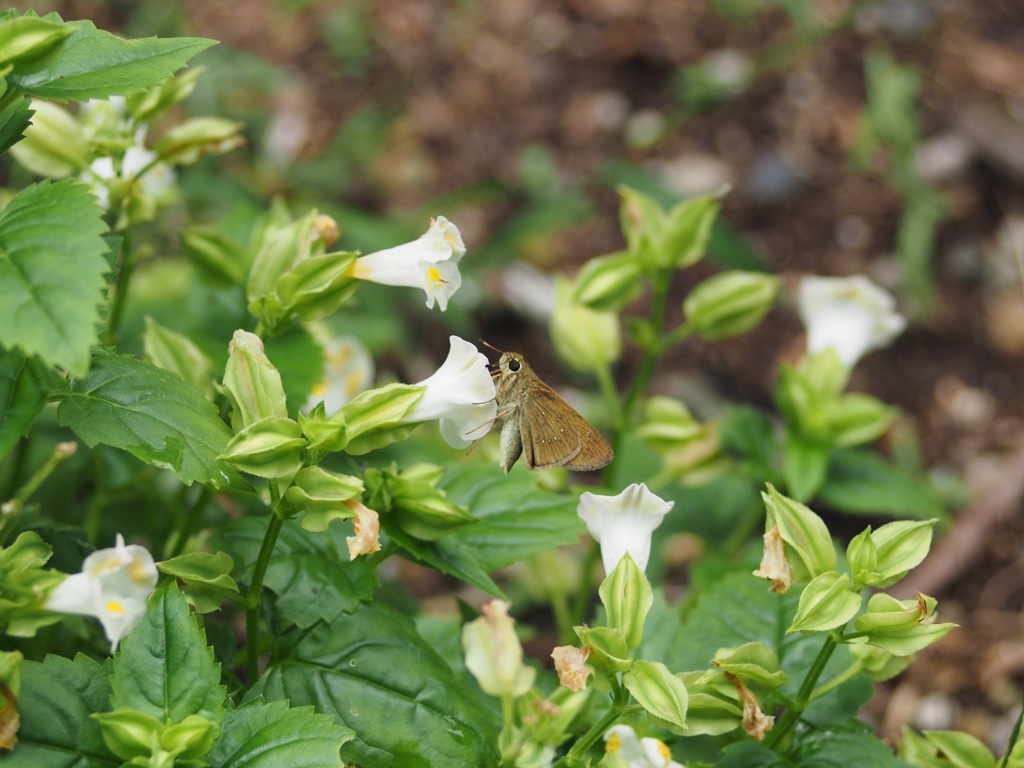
point(514, 365)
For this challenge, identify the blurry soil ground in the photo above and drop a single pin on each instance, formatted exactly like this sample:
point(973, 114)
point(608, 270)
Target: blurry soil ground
point(473, 83)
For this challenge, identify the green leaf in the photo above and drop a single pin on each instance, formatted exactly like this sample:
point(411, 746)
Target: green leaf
point(804, 465)
point(50, 232)
point(95, 64)
point(845, 745)
point(517, 519)
point(376, 675)
point(25, 384)
point(862, 482)
point(14, 120)
point(961, 750)
point(262, 735)
point(151, 413)
point(311, 574)
point(748, 754)
point(448, 555)
point(739, 609)
point(57, 698)
point(207, 568)
point(164, 667)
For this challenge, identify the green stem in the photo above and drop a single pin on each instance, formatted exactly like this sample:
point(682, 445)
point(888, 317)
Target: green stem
point(563, 616)
point(195, 514)
point(252, 613)
point(803, 697)
point(11, 510)
point(124, 277)
point(1012, 742)
point(611, 396)
point(659, 303)
point(850, 672)
point(575, 754)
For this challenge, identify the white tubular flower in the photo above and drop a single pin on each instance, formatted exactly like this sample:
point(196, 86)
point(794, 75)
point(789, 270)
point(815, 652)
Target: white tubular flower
point(460, 394)
point(494, 655)
point(430, 263)
point(850, 314)
point(638, 753)
point(348, 370)
point(623, 523)
point(113, 586)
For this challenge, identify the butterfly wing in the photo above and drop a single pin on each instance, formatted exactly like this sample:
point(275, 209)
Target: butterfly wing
point(555, 435)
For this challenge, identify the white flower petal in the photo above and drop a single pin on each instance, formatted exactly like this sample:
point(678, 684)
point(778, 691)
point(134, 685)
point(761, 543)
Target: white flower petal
point(623, 523)
point(430, 263)
point(850, 314)
point(460, 394)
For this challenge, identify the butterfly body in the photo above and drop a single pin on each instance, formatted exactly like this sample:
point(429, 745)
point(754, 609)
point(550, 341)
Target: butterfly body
point(539, 425)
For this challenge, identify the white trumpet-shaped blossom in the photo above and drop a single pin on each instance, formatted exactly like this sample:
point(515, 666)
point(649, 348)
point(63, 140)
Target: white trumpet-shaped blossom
point(460, 394)
point(430, 262)
point(850, 314)
point(114, 585)
point(623, 523)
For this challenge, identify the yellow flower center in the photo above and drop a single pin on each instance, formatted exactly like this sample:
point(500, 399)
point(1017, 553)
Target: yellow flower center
point(434, 275)
point(614, 743)
point(115, 607)
point(664, 750)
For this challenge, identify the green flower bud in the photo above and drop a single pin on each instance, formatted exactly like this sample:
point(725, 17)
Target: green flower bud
point(902, 627)
point(317, 286)
point(282, 246)
point(186, 143)
point(53, 144)
point(320, 494)
point(26, 42)
point(659, 692)
point(418, 508)
point(713, 705)
point(129, 733)
point(145, 107)
point(878, 663)
point(642, 222)
point(688, 229)
point(753, 663)
point(730, 303)
point(272, 448)
point(220, 258)
point(584, 338)
point(808, 546)
point(902, 545)
point(177, 353)
point(252, 383)
point(862, 558)
point(323, 434)
point(374, 418)
point(627, 598)
point(607, 646)
point(494, 655)
point(826, 603)
point(608, 283)
point(668, 424)
point(192, 738)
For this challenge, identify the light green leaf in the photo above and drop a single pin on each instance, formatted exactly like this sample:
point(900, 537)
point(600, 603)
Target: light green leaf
point(57, 699)
point(961, 750)
point(207, 568)
point(153, 414)
point(262, 735)
point(376, 675)
point(51, 272)
point(95, 64)
point(660, 693)
point(164, 667)
point(517, 519)
point(25, 384)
